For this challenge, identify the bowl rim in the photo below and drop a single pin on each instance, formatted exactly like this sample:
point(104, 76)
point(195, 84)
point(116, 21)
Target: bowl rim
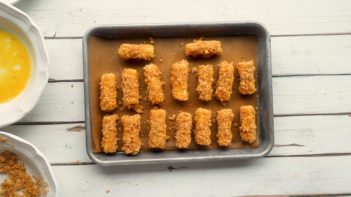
point(12, 2)
point(31, 27)
point(38, 153)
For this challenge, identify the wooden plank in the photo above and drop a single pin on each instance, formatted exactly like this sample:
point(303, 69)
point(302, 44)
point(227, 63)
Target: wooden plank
point(267, 176)
point(302, 135)
point(66, 61)
point(311, 55)
point(292, 95)
point(311, 95)
point(60, 143)
point(59, 102)
point(300, 55)
point(67, 18)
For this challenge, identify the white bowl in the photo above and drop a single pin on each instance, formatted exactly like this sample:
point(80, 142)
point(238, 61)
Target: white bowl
point(10, 1)
point(18, 23)
point(34, 161)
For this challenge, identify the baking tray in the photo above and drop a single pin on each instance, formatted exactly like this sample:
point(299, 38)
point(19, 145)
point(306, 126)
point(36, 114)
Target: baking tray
point(264, 86)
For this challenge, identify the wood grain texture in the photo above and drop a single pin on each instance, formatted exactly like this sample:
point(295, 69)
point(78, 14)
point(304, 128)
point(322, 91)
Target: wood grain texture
point(311, 95)
point(65, 58)
point(311, 55)
point(67, 18)
point(60, 143)
point(267, 176)
point(304, 135)
point(59, 102)
point(301, 135)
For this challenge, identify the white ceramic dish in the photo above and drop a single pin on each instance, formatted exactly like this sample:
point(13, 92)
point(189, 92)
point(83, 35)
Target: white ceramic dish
point(18, 23)
point(10, 1)
point(34, 160)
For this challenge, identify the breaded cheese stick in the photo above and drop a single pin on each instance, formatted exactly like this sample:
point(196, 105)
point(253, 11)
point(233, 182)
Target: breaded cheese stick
point(131, 134)
point(247, 123)
point(136, 51)
point(179, 80)
point(224, 123)
point(158, 129)
point(109, 133)
point(204, 49)
point(225, 81)
point(184, 123)
point(203, 126)
point(154, 84)
point(246, 72)
point(108, 92)
point(205, 80)
point(130, 88)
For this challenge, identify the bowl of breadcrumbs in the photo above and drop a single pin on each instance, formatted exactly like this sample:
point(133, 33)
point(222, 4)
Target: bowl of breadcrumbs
point(24, 171)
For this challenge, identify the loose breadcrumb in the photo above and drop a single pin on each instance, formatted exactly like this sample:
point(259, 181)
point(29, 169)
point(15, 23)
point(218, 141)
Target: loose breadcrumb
point(4, 139)
point(205, 80)
point(247, 124)
point(18, 182)
point(179, 80)
point(136, 52)
point(204, 49)
point(152, 41)
point(184, 123)
point(158, 129)
point(154, 84)
point(130, 88)
point(108, 92)
point(109, 133)
point(224, 123)
point(194, 70)
point(172, 117)
point(246, 70)
point(224, 85)
point(131, 134)
point(203, 124)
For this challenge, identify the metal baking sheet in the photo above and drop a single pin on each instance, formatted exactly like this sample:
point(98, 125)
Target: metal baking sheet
point(264, 81)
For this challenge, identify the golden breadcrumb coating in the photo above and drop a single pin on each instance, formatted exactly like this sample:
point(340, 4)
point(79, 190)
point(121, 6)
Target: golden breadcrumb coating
point(203, 124)
point(130, 88)
point(246, 72)
point(16, 180)
point(179, 80)
point(224, 85)
point(154, 84)
point(204, 49)
point(136, 51)
point(131, 134)
point(224, 123)
point(109, 133)
point(158, 129)
point(184, 124)
point(247, 124)
point(205, 80)
point(108, 92)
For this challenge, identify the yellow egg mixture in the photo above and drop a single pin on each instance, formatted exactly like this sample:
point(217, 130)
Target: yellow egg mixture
point(15, 66)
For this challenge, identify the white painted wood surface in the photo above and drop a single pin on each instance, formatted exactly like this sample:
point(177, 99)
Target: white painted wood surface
point(66, 18)
point(312, 124)
point(267, 176)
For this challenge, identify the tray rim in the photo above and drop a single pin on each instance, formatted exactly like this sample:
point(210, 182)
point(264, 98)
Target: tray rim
point(265, 148)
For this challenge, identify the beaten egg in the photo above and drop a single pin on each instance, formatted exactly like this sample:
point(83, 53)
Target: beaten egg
point(15, 66)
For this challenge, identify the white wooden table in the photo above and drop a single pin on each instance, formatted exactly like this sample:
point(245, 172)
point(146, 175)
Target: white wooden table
point(311, 55)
